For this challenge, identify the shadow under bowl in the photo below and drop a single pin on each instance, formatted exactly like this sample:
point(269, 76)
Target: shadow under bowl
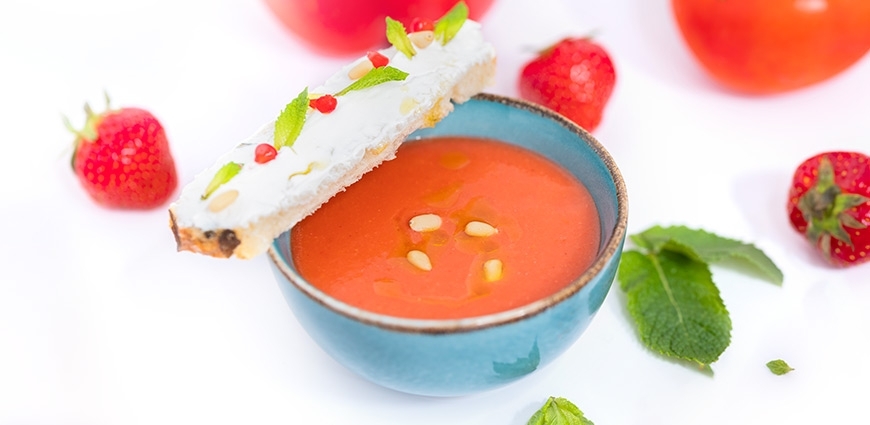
point(463, 356)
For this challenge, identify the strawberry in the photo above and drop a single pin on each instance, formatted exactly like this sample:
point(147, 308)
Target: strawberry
point(574, 77)
point(829, 202)
point(122, 159)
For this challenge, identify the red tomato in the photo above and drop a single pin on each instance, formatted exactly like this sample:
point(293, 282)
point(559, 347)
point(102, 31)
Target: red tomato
point(353, 26)
point(769, 46)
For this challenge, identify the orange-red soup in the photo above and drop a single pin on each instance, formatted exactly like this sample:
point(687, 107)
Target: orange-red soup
point(355, 247)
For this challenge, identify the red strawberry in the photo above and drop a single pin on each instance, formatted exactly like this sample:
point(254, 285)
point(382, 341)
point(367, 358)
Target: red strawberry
point(829, 202)
point(122, 159)
point(574, 77)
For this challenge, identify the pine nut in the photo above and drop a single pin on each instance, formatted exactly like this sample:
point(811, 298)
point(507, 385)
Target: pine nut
point(419, 259)
point(360, 69)
point(480, 229)
point(218, 203)
point(422, 39)
point(425, 223)
point(492, 270)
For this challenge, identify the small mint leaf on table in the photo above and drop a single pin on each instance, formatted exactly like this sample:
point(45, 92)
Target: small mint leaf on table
point(374, 77)
point(671, 295)
point(676, 306)
point(289, 124)
point(779, 367)
point(449, 25)
point(559, 411)
point(398, 37)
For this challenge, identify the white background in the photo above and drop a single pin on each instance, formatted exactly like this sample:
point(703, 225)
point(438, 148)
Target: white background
point(102, 322)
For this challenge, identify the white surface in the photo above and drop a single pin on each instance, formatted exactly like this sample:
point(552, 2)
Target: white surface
point(102, 322)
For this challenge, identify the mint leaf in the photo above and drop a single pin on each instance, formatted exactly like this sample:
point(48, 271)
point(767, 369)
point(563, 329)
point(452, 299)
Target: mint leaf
point(448, 25)
point(397, 36)
point(559, 411)
point(675, 305)
point(289, 124)
point(671, 295)
point(707, 247)
point(374, 77)
point(779, 367)
point(223, 175)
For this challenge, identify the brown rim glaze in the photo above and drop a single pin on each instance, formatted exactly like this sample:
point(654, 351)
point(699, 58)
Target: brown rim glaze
point(435, 326)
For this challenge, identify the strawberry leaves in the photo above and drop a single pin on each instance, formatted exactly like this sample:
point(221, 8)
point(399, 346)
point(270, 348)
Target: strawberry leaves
point(829, 204)
point(88, 133)
point(825, 207)
point(671, 296)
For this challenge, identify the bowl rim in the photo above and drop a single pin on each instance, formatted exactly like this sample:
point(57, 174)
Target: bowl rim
point(441, 326)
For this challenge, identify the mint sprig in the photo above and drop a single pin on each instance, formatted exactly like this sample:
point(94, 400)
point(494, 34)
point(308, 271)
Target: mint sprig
point(223, 175)
point(559, 411)
point(449, 25)
point(374, 77)
point(398, 37)
point(671, 296)
point(289, 124)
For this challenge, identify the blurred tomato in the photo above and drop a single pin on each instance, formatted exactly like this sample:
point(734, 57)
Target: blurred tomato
point(769, 46)
point(354, 26)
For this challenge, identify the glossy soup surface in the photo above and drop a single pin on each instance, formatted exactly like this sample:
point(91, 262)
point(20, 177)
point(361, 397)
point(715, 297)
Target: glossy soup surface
point(355, 246)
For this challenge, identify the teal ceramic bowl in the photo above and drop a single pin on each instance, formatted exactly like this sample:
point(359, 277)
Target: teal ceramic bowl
point(464, 356)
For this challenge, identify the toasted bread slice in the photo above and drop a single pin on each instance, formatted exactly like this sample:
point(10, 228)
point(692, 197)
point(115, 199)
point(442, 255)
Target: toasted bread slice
point(242, 217)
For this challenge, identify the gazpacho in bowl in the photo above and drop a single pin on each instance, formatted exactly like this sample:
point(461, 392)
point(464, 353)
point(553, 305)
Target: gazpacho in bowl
point(476, 256)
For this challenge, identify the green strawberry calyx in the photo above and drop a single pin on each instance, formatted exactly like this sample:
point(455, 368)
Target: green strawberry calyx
point(826, 210)
point(88, 133)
